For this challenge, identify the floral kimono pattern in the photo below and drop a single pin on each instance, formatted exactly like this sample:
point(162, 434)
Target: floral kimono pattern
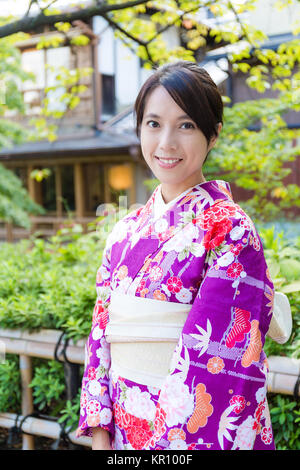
point(203, 251)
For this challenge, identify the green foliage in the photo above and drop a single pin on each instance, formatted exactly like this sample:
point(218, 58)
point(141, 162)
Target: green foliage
point(283, 259)
point(70, 413)
point(51, 284)
point(15, 203)
point(10, 390)
point(285, 416)
point(48, 386)
point(256, 159)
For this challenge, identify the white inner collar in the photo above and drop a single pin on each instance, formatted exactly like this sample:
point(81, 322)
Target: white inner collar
point(160, 206)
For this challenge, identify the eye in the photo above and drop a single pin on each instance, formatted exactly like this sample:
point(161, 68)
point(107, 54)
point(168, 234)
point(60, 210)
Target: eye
point(189, 124)
point(155, 122)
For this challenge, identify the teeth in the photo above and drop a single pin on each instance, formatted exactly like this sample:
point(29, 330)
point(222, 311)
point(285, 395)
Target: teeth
point(169, 161)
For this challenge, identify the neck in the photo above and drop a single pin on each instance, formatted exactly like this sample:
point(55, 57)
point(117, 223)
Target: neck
point(171, 191)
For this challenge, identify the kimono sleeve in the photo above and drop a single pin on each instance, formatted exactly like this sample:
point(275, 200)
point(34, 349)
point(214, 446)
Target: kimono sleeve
point(216, 387)
point(95, 402)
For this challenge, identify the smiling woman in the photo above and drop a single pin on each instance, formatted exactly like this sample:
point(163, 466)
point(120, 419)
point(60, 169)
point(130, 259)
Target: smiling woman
point(171, 140)
point(175, 356)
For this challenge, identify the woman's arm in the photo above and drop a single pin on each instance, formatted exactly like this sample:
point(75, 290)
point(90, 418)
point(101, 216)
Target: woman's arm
point(100, 439)
point(96, 409)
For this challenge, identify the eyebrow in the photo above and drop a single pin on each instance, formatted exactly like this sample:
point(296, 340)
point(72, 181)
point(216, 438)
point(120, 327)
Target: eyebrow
point(153, 115)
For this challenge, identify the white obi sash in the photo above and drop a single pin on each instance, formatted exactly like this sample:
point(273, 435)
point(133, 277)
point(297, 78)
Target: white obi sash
point(143, 334)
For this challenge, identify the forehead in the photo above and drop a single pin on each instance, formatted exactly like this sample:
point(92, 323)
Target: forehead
point(159, 102)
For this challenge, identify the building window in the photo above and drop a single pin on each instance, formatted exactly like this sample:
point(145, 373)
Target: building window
point(108, 94)
point(48, 192)
point(93, 174)
point(21, 173)
point(67, 182)
point(44, 63)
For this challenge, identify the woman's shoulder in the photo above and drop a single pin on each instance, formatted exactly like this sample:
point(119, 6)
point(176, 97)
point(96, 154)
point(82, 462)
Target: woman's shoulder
point(230, 212)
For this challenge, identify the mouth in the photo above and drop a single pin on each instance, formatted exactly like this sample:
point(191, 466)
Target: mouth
point(168, 162)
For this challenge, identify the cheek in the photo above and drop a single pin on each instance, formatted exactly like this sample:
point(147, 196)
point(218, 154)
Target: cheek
point(147, 144)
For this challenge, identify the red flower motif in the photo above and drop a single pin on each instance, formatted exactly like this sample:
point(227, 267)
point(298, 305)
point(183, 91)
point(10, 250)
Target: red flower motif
point(266, 435)
point(92, 373)
point(216, 235)
point(192, 446)
point(159, 427)
point(258, 414)
point(159, 420)
point(236, 249)
point(234, 270)
point(98, 310)
point(122, 418)
point(239, 403)
point(141, 285)
point(163, 236)
point(215, 214)
point(174, 284)
point(138, 433)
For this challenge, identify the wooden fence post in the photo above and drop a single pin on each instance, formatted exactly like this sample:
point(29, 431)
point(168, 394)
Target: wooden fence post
point(27, 400)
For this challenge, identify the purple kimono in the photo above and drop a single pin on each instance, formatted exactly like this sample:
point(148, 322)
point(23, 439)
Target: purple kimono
point(203, 251)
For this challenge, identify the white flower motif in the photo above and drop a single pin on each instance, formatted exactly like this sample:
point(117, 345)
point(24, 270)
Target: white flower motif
point(156, 274)
point(161, 225)
point(178, 444)
point(245, 435)
point(118, 443)
point(182, 239)
point(260, 394)
point(105, 415)
point(203, 338)
point(94, 387)
point(176, 400)
point(139, 404)
point(103, 353)
point(226, 259)
point(198, 249)
point(237, 233)
point(124, 285)
point(97, 333)
point(184, 295)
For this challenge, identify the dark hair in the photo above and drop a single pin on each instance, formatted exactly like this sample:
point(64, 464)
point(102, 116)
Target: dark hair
point(192, 88)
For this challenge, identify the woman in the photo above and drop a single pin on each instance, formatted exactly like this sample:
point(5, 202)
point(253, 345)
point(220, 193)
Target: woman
point(175, 355)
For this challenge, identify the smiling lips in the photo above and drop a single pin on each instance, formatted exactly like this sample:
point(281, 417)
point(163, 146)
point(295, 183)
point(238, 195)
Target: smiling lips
point(168, 162)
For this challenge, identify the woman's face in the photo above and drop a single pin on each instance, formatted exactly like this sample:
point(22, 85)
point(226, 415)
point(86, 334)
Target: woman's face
point(172, 145)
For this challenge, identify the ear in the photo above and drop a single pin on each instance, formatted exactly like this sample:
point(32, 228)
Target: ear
point(214, 139)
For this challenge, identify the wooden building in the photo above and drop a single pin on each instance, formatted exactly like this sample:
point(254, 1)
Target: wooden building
point(91, 162)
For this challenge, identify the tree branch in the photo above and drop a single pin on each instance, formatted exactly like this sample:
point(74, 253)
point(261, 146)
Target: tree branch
point(28, 24)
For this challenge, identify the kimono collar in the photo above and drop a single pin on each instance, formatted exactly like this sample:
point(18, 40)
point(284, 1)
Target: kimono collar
point(146, 235)
point(208, 193)
point(160, 206)
point(192, 202)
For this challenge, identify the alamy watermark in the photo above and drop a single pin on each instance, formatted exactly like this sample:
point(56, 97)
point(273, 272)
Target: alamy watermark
point(111, 214)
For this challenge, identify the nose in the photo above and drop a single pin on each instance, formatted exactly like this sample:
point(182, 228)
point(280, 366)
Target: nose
point(167, 141)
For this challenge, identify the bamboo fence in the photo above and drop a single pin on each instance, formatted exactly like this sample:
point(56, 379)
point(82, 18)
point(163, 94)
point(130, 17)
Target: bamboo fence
point(283, 378)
